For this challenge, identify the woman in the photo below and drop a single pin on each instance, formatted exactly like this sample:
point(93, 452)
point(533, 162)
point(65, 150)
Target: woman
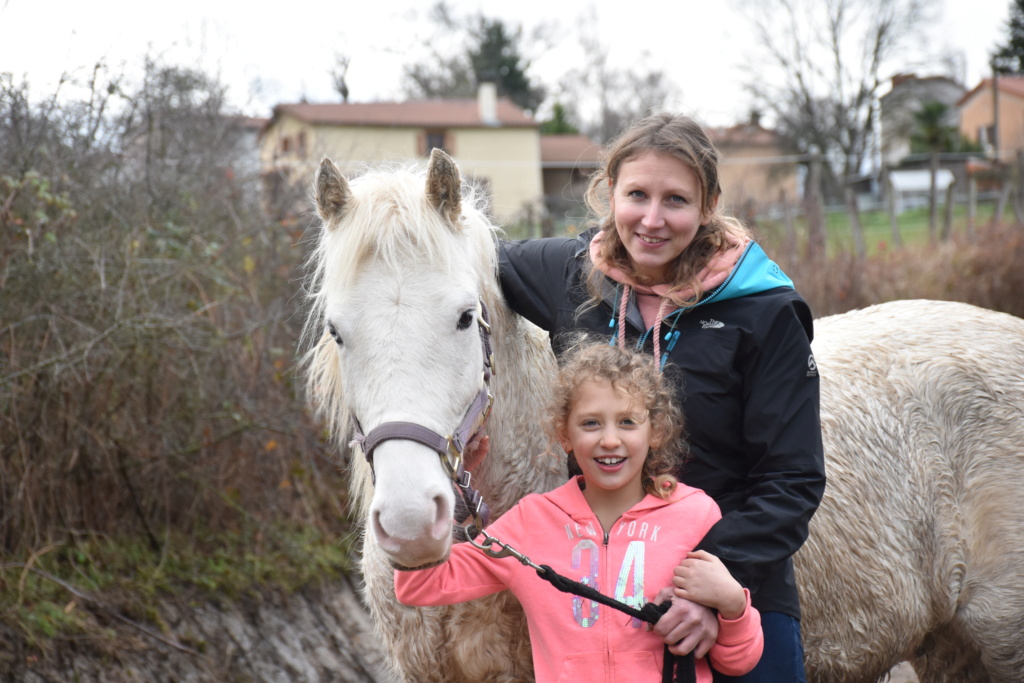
point(666, 272)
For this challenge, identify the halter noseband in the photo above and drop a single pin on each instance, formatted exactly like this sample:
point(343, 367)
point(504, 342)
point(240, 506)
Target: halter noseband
point(449, 448)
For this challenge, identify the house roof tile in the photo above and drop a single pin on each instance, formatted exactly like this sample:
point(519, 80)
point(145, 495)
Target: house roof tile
point(421, 113)
point(1013, 85)
point(744, 134)
point(569, 150)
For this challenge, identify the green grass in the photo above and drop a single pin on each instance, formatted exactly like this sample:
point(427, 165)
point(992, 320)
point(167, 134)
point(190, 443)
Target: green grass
point(59, 590)
point(913, 225)
point(878, 238)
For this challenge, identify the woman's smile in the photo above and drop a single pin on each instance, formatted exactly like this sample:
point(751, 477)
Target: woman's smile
point(656, 201)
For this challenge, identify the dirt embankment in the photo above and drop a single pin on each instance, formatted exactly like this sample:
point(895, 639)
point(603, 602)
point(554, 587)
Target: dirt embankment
point(314, 636)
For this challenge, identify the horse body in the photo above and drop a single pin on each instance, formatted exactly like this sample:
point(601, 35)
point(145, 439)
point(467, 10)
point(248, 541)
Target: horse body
point(915, 553)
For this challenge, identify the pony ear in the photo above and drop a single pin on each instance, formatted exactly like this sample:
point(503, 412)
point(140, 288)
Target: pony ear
point(444, 186)
point(332, 191)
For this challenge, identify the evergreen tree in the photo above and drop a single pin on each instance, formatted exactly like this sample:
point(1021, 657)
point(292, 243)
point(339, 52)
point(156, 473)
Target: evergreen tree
point(495, 56)
point(559, 123)
point(1009, 57)
point(492, 53)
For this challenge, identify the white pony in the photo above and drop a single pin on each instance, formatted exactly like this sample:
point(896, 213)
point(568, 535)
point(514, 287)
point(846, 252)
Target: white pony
point(403, 262)
point(916, 553)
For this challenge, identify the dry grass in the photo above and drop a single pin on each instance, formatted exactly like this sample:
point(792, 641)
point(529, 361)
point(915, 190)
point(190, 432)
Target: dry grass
point(984, 272)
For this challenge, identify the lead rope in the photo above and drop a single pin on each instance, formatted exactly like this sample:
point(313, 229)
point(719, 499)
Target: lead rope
point(675, 668)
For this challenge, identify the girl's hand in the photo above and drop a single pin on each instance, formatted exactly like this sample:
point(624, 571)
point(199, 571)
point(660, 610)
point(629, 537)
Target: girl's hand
point(702, 578)
point(686, 627)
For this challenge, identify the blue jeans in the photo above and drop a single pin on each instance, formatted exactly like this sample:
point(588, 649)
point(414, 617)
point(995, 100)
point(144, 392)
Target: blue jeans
point(783, 658)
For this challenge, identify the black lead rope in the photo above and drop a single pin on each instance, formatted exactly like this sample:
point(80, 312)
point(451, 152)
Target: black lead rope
point(676, 669)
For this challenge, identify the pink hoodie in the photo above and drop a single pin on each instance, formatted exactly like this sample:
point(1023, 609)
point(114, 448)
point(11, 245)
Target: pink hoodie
point(574, 639)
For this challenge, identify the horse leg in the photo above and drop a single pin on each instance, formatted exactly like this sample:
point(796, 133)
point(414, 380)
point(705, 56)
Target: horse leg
point(992, 613)
point(947, 655)
point(490, 640)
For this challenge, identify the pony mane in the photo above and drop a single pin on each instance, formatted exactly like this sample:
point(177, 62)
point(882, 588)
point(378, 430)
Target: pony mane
point(390, 223)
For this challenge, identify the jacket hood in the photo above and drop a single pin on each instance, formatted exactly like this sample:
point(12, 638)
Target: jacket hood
point(569, 499)
point(754, 273)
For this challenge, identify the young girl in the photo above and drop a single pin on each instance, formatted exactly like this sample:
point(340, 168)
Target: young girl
point(620, 527)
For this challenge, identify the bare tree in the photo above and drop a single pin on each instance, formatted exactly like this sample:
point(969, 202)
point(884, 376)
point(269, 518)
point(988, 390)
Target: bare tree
point(144, 320)
point(819, 71)
point(616, 95)
point(339, 75)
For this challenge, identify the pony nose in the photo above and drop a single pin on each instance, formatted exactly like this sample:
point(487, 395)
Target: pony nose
point(409, 533)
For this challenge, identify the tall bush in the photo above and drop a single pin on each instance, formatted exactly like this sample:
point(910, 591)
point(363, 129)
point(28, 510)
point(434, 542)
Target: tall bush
point(148, 323)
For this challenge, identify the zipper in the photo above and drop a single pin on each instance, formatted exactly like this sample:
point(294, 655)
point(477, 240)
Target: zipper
point(610, 581)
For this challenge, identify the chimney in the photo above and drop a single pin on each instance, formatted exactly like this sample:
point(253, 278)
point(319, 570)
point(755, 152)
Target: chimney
point(487, 100)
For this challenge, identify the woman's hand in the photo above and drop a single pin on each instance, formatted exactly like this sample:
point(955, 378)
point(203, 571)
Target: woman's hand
point(686, 627)
point(702, 578)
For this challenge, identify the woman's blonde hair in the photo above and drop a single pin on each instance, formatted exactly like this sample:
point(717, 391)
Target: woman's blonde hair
point(638, 376)
point(682, 138)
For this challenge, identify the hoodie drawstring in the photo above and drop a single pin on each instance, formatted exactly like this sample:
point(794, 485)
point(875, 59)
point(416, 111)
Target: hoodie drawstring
point(622, 316)
point(621, 332)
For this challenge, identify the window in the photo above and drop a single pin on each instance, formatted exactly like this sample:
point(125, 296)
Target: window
point(435, 138)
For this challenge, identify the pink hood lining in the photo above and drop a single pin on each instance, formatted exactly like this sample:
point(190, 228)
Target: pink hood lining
point(711, 276)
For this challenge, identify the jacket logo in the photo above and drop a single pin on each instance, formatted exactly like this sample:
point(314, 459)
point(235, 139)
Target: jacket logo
point(812, 366)
point(705, 324)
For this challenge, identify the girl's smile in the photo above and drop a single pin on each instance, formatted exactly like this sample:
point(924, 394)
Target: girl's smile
point(609, 435)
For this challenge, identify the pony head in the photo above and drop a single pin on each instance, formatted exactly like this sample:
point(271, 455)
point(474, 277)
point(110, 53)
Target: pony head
point(404, 259)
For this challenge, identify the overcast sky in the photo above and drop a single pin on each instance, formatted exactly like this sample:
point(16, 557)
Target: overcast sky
point(282, 52)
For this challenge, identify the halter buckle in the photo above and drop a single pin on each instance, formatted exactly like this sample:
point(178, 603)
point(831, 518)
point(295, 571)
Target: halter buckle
point(452, 457)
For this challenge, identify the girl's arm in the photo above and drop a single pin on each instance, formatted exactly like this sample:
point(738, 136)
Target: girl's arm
point(740, 642)
point(467, 575)
point(702, 578)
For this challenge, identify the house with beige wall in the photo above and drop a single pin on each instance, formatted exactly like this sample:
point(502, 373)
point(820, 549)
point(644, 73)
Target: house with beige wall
point(568, 161)
point(756, 170)
point(495, 143)
point(977, 115)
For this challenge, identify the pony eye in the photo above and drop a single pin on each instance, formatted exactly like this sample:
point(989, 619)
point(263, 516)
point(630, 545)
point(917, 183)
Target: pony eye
point(466, 319)
point(333, 331)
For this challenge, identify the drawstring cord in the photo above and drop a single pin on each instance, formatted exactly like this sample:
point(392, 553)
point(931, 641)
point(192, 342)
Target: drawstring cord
point(619, 336)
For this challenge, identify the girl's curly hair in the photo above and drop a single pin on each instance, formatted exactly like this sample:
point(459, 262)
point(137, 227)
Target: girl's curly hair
point(635, 373)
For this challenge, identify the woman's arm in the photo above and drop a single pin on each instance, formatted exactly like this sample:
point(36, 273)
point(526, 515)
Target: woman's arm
point(533, 276)
point(783, 434)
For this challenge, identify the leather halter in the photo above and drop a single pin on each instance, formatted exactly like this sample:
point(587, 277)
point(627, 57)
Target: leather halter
point(451, 447)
